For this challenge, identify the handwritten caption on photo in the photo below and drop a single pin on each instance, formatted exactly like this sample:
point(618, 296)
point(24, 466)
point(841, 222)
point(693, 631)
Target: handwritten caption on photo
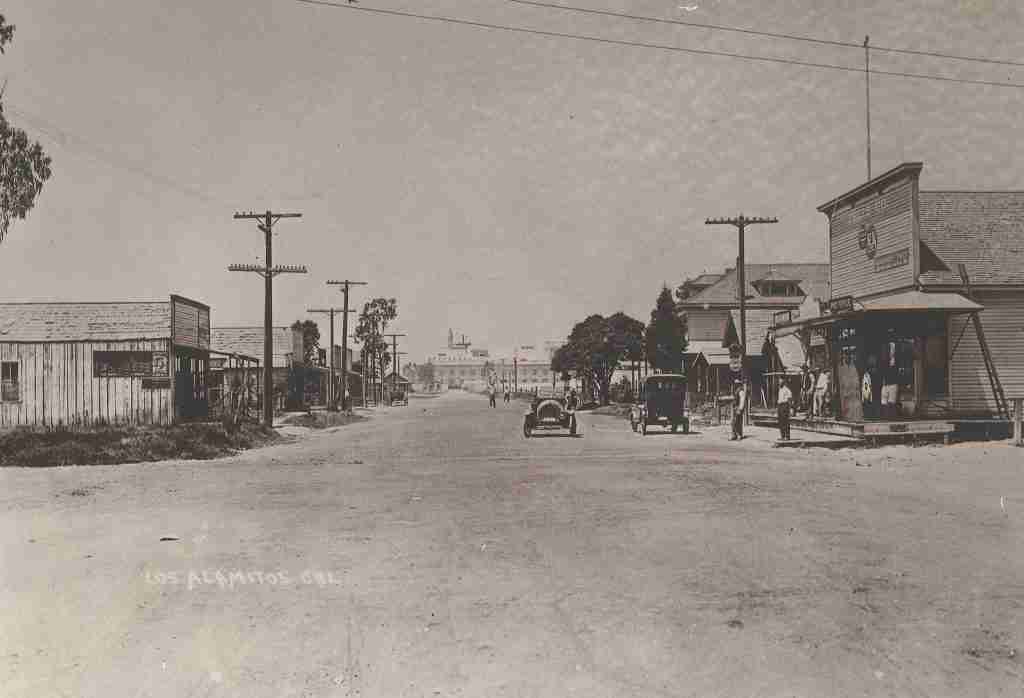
point(234, 579)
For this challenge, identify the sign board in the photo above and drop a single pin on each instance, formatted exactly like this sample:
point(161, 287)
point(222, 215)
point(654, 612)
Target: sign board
point(843, 304)
point(893, 260)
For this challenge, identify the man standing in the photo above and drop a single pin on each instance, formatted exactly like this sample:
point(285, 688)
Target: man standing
point(785, 403)
point(508, 393)
point(491, 395)
point(739, 405)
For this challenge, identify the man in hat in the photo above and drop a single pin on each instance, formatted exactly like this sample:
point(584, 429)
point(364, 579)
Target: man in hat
point(739, 407)
point(785, 402)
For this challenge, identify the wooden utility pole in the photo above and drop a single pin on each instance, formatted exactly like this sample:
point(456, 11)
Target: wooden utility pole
point(268, 271)
point(740, 223)
point(867, 94)
point(394, 351)
point(332, 403)
point(345, 285)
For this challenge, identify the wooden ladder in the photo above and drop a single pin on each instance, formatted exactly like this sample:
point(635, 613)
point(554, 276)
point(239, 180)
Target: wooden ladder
point(1002, 405)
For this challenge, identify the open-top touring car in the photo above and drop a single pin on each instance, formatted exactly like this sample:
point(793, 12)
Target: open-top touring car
point(550, 412)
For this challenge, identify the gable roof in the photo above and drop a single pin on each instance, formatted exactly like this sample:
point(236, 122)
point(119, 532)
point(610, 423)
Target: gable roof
point(813, 279)
point(71, 322)
point(249, 341)
point(982, 230)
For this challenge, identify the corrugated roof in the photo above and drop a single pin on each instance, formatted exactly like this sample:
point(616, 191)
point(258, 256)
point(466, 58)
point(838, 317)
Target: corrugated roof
point(249, 341)
point(813, 279)
point(70, 322)
point(982, 230)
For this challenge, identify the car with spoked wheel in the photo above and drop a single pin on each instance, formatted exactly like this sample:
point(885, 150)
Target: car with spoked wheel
point(550, 412)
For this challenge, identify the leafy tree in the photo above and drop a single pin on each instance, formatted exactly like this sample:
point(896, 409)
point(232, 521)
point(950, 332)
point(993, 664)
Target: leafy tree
point(425, 373)
point(310, 340)
point(370, 327)
point(24, 167)
point(666, 335)
point(562, 363)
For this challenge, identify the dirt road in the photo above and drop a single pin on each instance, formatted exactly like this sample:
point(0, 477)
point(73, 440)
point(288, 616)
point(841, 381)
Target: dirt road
point(433, 551)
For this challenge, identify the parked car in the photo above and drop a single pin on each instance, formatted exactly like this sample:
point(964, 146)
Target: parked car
point(549, 412)
point(662, 402)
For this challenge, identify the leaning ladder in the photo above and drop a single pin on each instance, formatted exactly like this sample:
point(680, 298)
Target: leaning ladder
point(1002, 405)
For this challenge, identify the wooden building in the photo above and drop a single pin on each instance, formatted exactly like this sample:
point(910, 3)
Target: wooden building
point(711, 310)
point(85, 364)
point(925, 326)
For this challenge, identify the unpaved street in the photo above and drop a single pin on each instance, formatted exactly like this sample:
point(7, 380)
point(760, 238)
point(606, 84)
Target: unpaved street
point(433, 551)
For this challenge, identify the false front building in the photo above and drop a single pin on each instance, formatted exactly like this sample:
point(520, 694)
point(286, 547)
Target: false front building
point(925, 325)
point(85, 364)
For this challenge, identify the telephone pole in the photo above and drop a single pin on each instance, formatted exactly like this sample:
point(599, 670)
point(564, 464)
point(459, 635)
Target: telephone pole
point(268, 271)
point(867, 95)
point(740, 223)
point(345, 285)
point(394, 351)
point(331, 397)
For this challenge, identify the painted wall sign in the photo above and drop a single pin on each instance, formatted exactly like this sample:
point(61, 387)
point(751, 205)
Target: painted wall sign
point(899, 258)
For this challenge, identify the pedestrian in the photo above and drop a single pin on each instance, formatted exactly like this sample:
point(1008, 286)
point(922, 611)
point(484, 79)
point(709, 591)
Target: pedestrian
point(508, 394)
point(739, 407)
point(821, 389)
point(491, 396)
point(785, 404)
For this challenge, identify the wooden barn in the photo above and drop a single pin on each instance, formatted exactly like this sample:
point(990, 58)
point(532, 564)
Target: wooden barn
point(84, 364)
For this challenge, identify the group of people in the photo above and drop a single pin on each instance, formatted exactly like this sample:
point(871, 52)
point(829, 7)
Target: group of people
point(815, 398)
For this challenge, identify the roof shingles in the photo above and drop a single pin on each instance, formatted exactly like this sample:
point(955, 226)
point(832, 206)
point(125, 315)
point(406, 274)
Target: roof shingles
point(83, 322)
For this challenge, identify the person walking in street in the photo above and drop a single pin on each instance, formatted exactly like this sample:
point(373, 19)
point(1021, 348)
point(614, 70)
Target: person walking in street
point(508, 394)
point(785, 404)
point(739, 408)
point(491, 396)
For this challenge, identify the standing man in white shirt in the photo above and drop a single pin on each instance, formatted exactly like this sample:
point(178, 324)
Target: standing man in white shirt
point(785, 403)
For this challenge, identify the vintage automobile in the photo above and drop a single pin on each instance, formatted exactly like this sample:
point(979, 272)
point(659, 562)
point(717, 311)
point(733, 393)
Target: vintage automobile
point(662, 402)
point(548, 411)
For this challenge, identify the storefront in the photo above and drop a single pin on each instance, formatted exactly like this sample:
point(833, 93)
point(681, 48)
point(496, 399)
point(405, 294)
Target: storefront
point(902, 338)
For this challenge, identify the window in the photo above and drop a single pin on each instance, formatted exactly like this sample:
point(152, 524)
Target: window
point(779, 288)
point(10, 390)
point(108, 364)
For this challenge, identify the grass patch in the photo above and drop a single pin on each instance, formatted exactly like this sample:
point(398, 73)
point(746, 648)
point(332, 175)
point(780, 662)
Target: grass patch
point(322, 420)
point(26, 447)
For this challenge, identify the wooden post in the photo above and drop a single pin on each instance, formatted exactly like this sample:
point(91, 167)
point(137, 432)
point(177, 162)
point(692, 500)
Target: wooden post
point(1018, 421)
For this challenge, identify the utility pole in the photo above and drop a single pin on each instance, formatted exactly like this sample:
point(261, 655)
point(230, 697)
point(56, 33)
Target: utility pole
point(331, 397)
point(867, 93)
point(268, 272)
point(345, 285)
point(394, 351)
point(740, 223)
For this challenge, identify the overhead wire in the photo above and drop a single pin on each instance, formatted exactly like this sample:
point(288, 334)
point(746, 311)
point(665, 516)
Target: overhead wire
point(756, 32)
point(649, 45)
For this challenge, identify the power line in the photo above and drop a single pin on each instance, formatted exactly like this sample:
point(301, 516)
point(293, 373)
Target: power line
point(661, 47)
point(754, 32)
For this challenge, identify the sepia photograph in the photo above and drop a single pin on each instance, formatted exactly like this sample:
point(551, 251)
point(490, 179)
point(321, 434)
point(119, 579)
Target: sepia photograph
point(511, 349)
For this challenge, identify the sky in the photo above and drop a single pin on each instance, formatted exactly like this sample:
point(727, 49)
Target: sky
point(500, 184)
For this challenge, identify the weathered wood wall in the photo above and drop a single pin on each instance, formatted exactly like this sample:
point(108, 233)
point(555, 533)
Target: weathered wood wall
point(59, 388)
point(890, 214)
point(1003, 324)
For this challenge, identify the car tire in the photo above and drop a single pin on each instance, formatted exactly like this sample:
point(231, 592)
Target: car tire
point(527, 431)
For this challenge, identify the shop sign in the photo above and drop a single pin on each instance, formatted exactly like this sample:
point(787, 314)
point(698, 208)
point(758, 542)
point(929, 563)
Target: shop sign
point(867, 239)
point(843, 304)
point(900, 258)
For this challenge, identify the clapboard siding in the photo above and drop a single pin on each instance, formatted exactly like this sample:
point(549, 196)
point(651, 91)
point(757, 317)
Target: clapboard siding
point(891, 213)
point(1003, 325)
point(59, 388)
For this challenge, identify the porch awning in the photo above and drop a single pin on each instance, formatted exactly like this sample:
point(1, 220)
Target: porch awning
point(905, 301)
point(919, 300)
